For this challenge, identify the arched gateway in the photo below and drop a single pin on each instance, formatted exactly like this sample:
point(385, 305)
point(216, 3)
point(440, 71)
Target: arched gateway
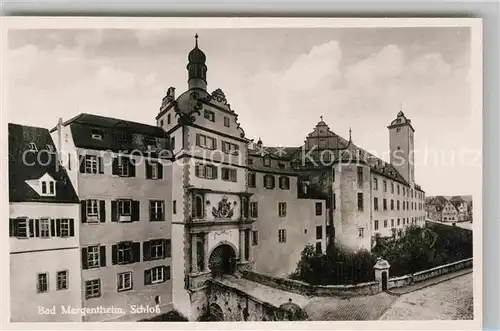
point(222, 260)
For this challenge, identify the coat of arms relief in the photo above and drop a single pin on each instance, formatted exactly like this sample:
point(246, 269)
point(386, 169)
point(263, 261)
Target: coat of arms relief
point(224, 208)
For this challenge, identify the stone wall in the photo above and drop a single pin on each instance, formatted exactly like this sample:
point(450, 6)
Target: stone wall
point(430, 273)
point(237, 305)
point(303, 288)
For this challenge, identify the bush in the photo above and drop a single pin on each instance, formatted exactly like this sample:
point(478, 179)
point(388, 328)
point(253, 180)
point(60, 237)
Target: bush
point(339, 266)
point(415, 249)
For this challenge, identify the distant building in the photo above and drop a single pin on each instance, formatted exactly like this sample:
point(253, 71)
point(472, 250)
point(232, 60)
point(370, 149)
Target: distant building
point(449, 209)
point(43, 230)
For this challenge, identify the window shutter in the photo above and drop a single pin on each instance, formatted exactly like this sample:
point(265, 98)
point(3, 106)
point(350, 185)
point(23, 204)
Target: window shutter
point(136, 251)
point(71, 227)
point(198, 139)
point(131, 167)
point(58, 227)
point(273, 182)
point(32, 228)
point(83, 211)
point(135, 211)
point(84, 258)
point(160, 170)
point(102, 255)
point(146, 251)
point(114, 166)
point(101, 165)
point(114, 211)
point(197, 170)
point(147, 277)
point(152, 217)
point(12, 227)
point(167, 248)
point(102, 211)
point(149, 170)
point(114, 254)
point(53, 228)
point(82, 164)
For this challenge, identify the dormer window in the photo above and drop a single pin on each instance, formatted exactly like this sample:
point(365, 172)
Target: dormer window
point(32, 147)
point(120, 136)
point(150, 143)
point(267, 160)
point(48, 188)
point(50, 148)
point(97, 134)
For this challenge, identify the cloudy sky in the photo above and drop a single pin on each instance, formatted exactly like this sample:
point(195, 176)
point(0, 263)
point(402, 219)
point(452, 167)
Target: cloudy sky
point(279, 82)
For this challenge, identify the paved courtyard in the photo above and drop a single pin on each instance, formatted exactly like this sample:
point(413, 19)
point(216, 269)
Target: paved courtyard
point(449, 300)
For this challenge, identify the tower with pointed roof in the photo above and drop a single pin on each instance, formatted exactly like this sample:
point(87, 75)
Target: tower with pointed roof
point(197, 69)
point(401, 147)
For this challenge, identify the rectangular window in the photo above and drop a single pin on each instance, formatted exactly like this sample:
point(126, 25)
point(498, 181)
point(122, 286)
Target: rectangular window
point(206, 171)
point(44, 187)
point(62, 280)
point(267, 160)
point(360, 177)
point(334, 201)
point(92, 207)
point(284, 182)
point(92, 288)
point(269, 181)
point(230, 148)
point(51, 187)
point(205, 142)
point(384, 204)
point(255, 237)
point(251, 179)
point(385, 185)
point(375, 203)
point(168, 119)
point(392, 204)
point(399, 223)
point(174, 207)
point(254, 209)
point(157, 248)
point(124, 253)
point(398, 189)
point(124, 281)
point(318, 247)
point(319, 232)
point(397, 205)
point(64, 228)
point(44, 228)
point(361, 233)
point(93, 260)
point(226, 121)
point(282, 209)
point(91, 164)
point(42, 282)
point(392, 223)
point(375, 184)
point(360, 201)
point(282, 235)
point(209, 115)
point(228, 174)
point(375, 224)
point(124, 207)
point(157, 275)
point(392, 188)
point(156, 211)
point(385, 223)
point(319, 208)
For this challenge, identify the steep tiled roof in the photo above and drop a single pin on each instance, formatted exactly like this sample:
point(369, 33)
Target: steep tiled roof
point(83, 125)
point(30, 169)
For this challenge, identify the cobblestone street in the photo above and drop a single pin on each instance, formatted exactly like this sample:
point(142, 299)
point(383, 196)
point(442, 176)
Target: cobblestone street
point(450, 300)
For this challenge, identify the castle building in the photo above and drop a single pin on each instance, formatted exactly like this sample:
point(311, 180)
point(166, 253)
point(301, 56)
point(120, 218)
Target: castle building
point(165, 208)
point(43, 230)
point(124, 186)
